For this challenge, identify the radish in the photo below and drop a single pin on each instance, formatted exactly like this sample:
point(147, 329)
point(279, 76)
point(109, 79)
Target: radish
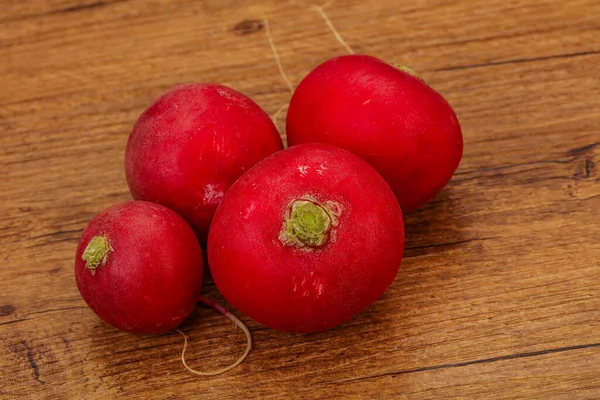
point(191, 144)
point(386, 115)
point(139, 267)
point(306, 239)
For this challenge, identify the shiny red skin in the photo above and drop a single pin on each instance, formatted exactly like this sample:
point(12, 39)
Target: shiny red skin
point(392, 119)
point(291, 289)
point(152, 278)
point(191, 144)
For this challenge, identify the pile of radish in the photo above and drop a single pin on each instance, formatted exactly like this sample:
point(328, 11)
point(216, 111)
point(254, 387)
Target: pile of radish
point(298, 239)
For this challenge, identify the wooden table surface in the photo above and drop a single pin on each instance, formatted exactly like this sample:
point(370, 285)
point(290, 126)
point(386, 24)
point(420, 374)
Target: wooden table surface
point(499, 293)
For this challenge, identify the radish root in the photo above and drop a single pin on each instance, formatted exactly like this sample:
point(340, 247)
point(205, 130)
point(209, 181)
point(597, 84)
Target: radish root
point(335, 32)
point(217, 307)
point(286, 78)
point(276, 113)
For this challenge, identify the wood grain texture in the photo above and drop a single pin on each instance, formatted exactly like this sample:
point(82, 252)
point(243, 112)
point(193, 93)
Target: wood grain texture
point(498, 295)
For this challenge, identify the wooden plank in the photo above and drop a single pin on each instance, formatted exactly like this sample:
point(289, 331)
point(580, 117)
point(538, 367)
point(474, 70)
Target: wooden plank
point(497, 295)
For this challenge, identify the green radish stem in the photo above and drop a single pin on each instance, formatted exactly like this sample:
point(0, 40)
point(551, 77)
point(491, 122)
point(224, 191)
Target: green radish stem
point(309, 224)
point(96, 253)
point(217, 307)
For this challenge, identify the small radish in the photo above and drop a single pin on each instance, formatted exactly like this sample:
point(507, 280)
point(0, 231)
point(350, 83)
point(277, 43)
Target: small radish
point(386, 115)
point(139, 267)
point(306, 239)
point(191, 144)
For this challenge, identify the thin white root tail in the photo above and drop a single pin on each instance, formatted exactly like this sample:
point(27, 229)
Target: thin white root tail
point(284, 76)
point(287, 80)
point(335, 32)
point(210, 303)
point(277, 113)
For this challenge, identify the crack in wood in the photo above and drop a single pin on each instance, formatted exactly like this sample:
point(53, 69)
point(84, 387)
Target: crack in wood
point(24, 347)
point(429, 246)
point(14, 321)
point(65, 10)
point(518, 61)
point(57, 233)
point(34, 366)
point(588, 167)
point(80, 7)
point(55, 310)
point(509, 166)
point(474, 362)
point(577, 151)
point(25, 316)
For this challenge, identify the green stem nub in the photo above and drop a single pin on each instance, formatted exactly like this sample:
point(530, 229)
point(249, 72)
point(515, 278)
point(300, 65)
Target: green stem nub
point(309, 224)
point(96, 253)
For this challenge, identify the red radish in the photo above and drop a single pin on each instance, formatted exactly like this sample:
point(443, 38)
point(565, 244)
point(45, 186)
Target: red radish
point(139, 267)
point(191, 144)
point(387, 116)
point(306, 239)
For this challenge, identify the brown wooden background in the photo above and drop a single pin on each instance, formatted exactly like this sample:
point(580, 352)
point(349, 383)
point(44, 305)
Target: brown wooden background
point(499, 293)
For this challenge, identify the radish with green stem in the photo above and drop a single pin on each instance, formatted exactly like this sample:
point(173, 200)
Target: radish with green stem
point(139, 267)
point(306, 239)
